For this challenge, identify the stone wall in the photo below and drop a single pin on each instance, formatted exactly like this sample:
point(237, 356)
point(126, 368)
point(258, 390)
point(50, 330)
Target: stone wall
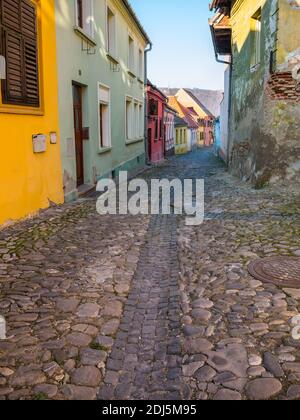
point(265, 114)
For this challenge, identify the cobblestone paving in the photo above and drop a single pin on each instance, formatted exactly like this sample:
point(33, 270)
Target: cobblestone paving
point(122, 307)
point(237, 331)
point(64, 279)
point(146, 359)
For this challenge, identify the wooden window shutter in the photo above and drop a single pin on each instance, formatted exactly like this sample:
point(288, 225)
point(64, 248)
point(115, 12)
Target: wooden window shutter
point(19, 44)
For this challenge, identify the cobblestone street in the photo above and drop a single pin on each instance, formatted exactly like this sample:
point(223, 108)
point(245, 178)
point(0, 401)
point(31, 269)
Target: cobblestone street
point(123, 307)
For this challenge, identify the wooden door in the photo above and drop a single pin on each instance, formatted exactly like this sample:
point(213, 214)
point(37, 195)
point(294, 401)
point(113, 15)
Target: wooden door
point(77, 104)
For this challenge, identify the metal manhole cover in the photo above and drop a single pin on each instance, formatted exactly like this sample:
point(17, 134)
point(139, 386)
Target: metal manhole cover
point(282, 271)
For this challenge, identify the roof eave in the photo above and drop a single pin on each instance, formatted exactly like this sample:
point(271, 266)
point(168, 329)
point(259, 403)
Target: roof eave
point(132, 13)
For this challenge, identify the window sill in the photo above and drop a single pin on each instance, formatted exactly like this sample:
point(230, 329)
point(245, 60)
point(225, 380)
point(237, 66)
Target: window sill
point(141, 81)
point(83, 35)
point(112, 58)
point(131, 74)
point(129, 142)
point(21, 110)
point(104, 150)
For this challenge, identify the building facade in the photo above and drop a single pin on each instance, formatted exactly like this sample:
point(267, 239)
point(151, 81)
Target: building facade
point(170, 134)
point(30, 170)
point(188, 116)
point(181, 136)
point(101, 62)
point(264, 39)
point(204, 117)
point(156, 103)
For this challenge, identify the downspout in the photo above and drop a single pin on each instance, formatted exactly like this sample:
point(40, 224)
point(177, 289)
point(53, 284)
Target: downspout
point(147, 50)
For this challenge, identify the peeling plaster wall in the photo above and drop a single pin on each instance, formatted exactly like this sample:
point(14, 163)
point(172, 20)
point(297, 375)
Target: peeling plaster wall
point(265, 116)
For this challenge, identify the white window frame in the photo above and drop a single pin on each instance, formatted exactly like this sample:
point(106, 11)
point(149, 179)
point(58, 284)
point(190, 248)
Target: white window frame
point(108, 143)
point(88, 27)
point(141, 120)
point(256, 27)
point(131, 59)
point(129, 130)
point(113, 52)
point(141, 63)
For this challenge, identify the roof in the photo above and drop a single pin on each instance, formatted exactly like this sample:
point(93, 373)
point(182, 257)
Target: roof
point(220, 26)
point(209, 100)
point(155, 88)
point(184, 112)
point(170, 109)
point(192, 111)
point(199, 102)
point(220, 3)
point(180, 121)
point(132, 13)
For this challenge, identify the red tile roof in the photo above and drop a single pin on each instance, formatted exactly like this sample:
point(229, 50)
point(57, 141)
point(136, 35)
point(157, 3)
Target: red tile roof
point(184, 112)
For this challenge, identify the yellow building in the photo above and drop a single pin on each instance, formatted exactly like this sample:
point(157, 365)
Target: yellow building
point(263, 38)
point(30, 165)
point(181, 141)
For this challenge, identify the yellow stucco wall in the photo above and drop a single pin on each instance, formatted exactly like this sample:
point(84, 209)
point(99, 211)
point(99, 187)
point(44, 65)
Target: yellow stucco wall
point(185, 99)
point(181, 146)
point(28, 181)
point(241, 14)
point(288, 36)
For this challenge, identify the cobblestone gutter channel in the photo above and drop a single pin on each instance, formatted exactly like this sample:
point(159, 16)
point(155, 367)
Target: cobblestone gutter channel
point(146, 361)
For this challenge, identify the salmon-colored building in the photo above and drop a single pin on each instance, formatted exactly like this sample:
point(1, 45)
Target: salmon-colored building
point(156, 103)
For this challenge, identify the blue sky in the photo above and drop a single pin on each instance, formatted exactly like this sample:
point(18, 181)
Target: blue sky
point(183, 54)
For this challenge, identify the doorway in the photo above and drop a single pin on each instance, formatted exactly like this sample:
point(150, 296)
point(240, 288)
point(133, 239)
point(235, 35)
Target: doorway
point(150, 144)
point(78, 127)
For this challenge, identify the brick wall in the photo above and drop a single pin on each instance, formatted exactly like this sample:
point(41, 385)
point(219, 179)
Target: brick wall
point(282, 86)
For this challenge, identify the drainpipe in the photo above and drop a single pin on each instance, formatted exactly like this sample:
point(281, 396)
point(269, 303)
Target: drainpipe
point(147, 50)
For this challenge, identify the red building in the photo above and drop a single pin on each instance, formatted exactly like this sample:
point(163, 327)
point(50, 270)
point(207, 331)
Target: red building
point(156, 103)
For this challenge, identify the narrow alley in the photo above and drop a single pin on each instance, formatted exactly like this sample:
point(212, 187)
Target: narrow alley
point(124, 307)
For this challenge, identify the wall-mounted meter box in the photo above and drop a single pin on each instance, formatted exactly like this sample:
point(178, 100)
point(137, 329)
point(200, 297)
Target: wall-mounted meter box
point(53, 137)
point(39, 143)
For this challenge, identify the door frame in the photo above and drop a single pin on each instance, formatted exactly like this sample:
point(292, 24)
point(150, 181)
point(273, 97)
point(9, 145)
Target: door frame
point(79, 181)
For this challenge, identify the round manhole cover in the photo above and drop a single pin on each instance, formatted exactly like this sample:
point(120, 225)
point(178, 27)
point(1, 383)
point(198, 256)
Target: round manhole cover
point(282, 271)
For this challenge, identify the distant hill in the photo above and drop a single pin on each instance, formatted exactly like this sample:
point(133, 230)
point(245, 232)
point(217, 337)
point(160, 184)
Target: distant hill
point(211, 99)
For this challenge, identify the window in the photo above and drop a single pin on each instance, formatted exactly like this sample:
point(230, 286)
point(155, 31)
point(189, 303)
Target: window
point(79, 14)
point(136, 120)
point(131, 54)
point(141, 121)
point(19, 46)
point(129, 119)
point(104, 117)
point(156, 129)
point(256, 38)
point(85, 16)
point(161, 128)
point(141, 64)
point(111, 32)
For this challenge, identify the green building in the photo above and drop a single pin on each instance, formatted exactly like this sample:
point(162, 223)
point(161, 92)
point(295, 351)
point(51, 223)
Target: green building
point(101, 70)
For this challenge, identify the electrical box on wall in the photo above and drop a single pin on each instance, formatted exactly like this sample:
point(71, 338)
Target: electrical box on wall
point(2, 68)
point(39, 143)
point(53, 137)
